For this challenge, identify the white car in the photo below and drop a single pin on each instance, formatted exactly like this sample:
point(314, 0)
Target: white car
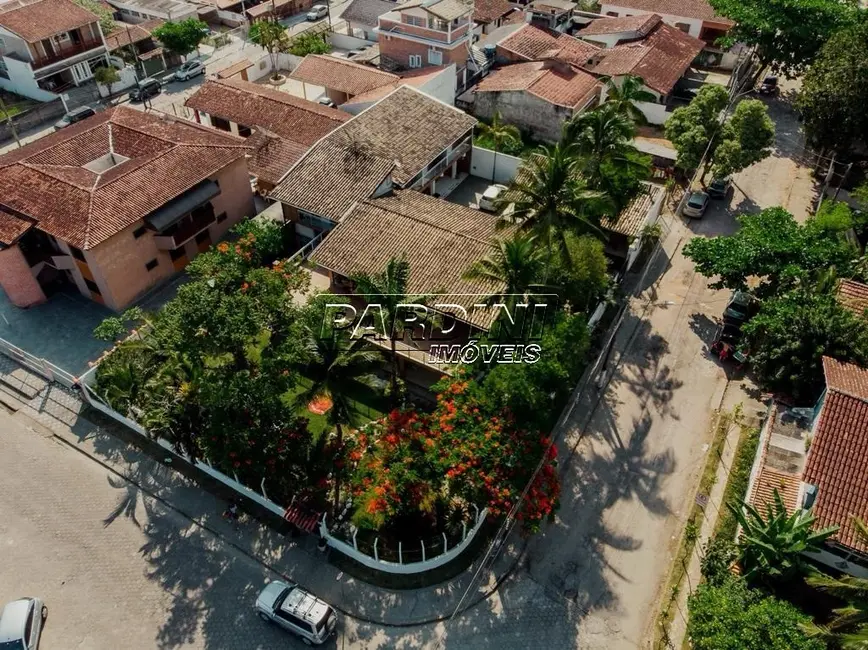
point(294, 609)
point(189, 69)
point(696, 204)
point(21, 623)
point(490, 196)
point(317, 11)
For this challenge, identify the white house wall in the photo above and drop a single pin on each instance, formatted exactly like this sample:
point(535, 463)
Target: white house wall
point(442, 86)
point(21, 81)
point(12, 44)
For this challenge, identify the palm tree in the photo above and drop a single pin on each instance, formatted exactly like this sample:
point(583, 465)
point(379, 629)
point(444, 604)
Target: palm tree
point(515, 263)
point(499, 133)
point(549, 199)
point(849, 628)
point(336, 364)
point(388, 290)
point(625, 96)
point(772, 547)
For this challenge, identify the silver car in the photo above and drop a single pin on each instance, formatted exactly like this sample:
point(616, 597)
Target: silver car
point(21, 624)
point(294, 609)
point(696, 204)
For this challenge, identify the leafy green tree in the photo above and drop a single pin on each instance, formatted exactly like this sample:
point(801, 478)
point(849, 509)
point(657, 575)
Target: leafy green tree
point(626, 94)
point(835, 89)
point(772, 247)
point(108, 76)
point(499, 133)
point(309, 43)
point(731, 616)
point(515, 263)
point(787, 33)
point(582, 274)
point(747, 138)
point(271, 36)
point(791, 334)
point(693, 129)
point(849, 627)
point(104, 13)
point(182, 37)
point(718, 556)
point(771, 547)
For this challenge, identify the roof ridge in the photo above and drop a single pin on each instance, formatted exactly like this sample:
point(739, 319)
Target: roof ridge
point(423, 221)
point(291, 100)
point(35, 168)
point(846, 393)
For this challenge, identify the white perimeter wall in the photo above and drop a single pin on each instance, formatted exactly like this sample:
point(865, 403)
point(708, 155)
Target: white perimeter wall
point(482, 165)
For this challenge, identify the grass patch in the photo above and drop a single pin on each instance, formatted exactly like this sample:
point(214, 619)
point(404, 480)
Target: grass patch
point(691, 530)
point(736, 485)
point(523, 149)
point(368, 405)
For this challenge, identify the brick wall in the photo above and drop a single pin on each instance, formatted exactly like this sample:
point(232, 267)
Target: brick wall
point(399, 50)
point(17, 280)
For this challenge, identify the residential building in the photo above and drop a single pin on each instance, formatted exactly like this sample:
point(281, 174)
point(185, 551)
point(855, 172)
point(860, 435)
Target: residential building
point(280, 127)
point(427, 32)
point(556, 15)
point(693, 17)
point(815, 459)
point(407, 140)
point(440, 240)
point(138, 43)
point(48, 46)
point(624, 234)
point(362, 17)
point(854, 296)
point(277, 9)
point(139, 11)
point(438, 82)
point(488, 15)
point(536, 96)
point(116, 204)
point(516, 43)
point(342, 79)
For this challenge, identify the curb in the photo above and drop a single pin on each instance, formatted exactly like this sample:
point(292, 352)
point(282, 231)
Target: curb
point(267, 565)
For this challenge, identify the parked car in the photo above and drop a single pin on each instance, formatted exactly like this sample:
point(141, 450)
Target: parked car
point(740, 308)
point(719, 187)
point(769, 86)
point(74, 116)
point(325, 101)
point(317, 11)
point(189, 69)
point(489, 197)
point(696, 204)
point(21, 624)
point(298, 611)
point(147, 88)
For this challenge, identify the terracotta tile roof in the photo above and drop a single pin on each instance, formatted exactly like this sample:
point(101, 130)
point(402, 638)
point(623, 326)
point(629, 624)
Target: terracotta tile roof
point(853, 295)
point(38, 19)
point(415, 78)
point(561, 85)
point(633, 217)
point(700, 9)
point(47, 181)
point(836, 460)
point(487, 11)
point(401, 134)
point(125, 34)
point(340, 74)
point(552, 6)
point(660, 59)
point(440, 240)
point(253, 104)
point(234, 69)
point(641, 24)
point(11, 227)
point(272, 155)
point(781, 460)
point(366, 12)
point(533, 43)
point(151, 54)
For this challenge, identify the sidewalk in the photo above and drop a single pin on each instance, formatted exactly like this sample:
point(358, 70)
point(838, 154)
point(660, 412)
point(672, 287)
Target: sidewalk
point(58, 410)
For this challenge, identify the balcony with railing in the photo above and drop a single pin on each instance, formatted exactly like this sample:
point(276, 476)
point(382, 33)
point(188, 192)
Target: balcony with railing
point(61, 53)
point(185, 230)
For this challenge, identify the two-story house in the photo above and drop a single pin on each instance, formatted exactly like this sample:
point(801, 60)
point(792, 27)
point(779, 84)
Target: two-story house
point(694, 17)
point(47, 46)
point(114, 205)
point(426, 32)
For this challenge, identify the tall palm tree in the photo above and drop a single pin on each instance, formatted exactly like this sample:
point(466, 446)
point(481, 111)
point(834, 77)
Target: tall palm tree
point(849, 628)
point(388, 289)
point(515, 263)
point(335, 365)
point(550, 198)
point(625, 96)
point(500, 133)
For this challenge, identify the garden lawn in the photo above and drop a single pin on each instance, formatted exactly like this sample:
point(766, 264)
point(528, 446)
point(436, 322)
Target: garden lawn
point(367, 405)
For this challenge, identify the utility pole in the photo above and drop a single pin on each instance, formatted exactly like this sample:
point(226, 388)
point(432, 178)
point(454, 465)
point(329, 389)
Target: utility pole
point(827, 181)
point(9, 122)
point(842, 181)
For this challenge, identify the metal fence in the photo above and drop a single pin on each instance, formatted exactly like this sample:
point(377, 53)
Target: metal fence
point(40, 366)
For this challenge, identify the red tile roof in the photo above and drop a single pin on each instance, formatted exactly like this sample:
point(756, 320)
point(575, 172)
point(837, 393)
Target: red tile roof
point(837, 457)
point(38, 19)
point(416, 78)
point(487, 11)
point(253, 105)
point(853, 295)
point(11, 227)
point(272, 155)
point(660, 59)
point(340, 74)
point(561, 85)
point(234, 69)
point(700, 9)
point(48, 182)
point(533, 43)
point(641, 24)
point(124, 34)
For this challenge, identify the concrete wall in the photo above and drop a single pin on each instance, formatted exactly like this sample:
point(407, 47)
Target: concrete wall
point(17, 279)
point(128, 80)
point(441, 87)
point(694, 24)
point(526, 111)
point(12, 44)
point(654, 113)
point(483, 165)
point(261, 67)
point(345, 42)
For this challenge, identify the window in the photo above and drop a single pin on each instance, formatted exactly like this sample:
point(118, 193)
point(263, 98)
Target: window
point(4, 72)
point(613, 14)
point(435, 57)
point(60, 38)
point(244, 131)
point(439, 25)
point(138, 232)
point(92, 286)
point(177, 253)
point(220, 123)
point(28, 627)
point(684, 27)
point(221, 217)
point(415, 60)
point(152, 264)
point(77, 254)
point(415, 20)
